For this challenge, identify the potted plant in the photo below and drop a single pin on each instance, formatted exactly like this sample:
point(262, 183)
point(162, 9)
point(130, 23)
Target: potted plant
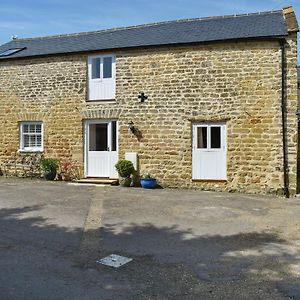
point(125, 168)
point(68, 170)
point(49, 167)
point(148, 182)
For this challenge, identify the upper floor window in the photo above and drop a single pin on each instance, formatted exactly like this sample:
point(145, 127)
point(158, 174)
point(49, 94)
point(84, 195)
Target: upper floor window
point(102, 84)
point(31, 136)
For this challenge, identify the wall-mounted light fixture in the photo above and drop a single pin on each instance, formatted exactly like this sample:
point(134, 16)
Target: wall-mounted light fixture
point(131, 126)
point(142, 97)
point(135, 131)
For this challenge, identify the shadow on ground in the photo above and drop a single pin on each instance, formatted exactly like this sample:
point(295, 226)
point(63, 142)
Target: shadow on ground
point(40, 260)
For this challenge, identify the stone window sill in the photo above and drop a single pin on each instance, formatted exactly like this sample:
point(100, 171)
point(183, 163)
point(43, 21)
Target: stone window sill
point(106, 101)
point(209, 180)
point(30, 151)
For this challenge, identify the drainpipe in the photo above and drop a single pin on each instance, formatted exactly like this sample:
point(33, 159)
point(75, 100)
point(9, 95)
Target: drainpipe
point(283, 116)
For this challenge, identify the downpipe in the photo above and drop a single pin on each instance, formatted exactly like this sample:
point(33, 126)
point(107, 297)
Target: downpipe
point(286, 191)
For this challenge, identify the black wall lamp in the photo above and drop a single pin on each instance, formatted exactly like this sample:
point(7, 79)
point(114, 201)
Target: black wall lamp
point(131, 127)
point(135, 131)
point(142, 97)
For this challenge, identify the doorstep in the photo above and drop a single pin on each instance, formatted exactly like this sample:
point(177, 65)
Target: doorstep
point(97, 180)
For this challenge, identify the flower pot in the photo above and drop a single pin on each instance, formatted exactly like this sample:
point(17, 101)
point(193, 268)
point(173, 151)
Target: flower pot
point(125, 181)
point(50, 175)
point(148, 183)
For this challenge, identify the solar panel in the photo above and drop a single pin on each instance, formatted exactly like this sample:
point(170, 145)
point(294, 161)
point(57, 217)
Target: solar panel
point(11, 51)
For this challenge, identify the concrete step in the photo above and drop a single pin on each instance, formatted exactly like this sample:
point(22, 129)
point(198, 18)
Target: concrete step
point(96, 180)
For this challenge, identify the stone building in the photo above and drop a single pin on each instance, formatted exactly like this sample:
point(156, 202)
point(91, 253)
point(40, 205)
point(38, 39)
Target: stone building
point(204, 103)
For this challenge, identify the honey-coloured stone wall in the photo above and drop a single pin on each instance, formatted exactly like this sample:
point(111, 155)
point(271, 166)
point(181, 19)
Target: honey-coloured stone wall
point(234, 82)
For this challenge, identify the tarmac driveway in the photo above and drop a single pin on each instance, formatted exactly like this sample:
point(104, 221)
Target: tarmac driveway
point(184, 244)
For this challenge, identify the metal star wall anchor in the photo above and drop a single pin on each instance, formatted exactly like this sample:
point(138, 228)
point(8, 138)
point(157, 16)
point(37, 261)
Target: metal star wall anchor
point(142, 96)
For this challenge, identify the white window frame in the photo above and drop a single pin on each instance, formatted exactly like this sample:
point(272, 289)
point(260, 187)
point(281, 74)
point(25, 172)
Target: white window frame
point(22, 134)
point(208, 146)
point(113, 70)
point(101, 80)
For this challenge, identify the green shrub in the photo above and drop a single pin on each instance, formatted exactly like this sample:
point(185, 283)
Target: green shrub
point(124, 167)
point(49, 164)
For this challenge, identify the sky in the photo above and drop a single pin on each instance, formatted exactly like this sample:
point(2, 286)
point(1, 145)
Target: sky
point(31, 18)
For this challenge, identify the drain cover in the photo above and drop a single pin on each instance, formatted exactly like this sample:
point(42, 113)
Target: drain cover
point(114, 260)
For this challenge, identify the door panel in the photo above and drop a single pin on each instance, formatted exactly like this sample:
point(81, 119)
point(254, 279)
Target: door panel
point(209, 151)
point(98, 137)
point(104, 89)
point(98, 164)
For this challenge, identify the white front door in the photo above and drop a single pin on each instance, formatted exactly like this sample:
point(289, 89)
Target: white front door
point(101, 149)
point(209, 151)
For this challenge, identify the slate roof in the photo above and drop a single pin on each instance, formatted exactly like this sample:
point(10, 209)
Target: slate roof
point(258, 25)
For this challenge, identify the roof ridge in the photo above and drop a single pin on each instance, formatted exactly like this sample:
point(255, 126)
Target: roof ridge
point(148, 25)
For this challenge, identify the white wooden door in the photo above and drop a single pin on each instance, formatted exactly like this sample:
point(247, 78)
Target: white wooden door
point(209, 151)
point(102, 83)
point(101, 149)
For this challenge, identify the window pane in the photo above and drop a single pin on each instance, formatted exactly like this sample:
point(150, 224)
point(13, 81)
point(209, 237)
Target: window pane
point(101, 137)
point(98, 137)
point(215, 137)
point(114, 136)
point(32, 128)
point(201, 137)
point(11, 51)
point(38, 140)
point(32, 141)
point(107, 67)
point(96, 67)
point(26, 128)
point(38, 128)
point(26, 141)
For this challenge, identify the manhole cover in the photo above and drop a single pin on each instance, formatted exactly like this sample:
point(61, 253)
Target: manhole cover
point(114, 260)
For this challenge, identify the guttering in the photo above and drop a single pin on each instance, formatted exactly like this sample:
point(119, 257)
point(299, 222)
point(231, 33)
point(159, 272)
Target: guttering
point(286, 191)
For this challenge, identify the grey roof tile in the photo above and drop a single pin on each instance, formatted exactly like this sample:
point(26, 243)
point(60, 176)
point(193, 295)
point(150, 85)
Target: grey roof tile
point(267, 24)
